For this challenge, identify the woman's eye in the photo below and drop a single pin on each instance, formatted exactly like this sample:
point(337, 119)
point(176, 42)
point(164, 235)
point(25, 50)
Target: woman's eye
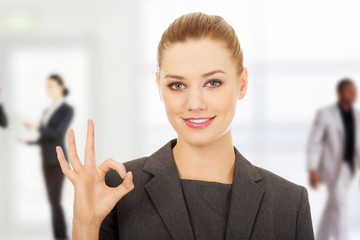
point(176, 86)
point(213, 83)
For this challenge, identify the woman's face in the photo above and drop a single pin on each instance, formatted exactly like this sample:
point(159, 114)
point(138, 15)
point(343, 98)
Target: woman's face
point(200, 87)
point(54, 89)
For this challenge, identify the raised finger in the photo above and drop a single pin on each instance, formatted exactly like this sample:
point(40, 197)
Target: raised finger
point(74, 158)
point(90, 145)
point(109, 164)
point(66, 169)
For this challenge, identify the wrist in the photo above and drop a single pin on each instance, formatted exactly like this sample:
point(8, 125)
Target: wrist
point(88, 231)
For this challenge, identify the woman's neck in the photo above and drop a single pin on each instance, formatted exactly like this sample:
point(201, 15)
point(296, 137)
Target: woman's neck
point(55, 100)
point(212, 162)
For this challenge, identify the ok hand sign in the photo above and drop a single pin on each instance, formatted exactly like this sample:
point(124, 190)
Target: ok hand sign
point(93, 199)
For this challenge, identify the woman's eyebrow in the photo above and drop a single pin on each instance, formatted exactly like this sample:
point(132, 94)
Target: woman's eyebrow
point(212, 73)
point(204, 75)
point(174, 76)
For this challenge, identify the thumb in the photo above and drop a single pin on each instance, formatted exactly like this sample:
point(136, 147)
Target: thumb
point(126, 186)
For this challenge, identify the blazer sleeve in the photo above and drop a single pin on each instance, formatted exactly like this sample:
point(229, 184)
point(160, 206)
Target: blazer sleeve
point(58, 131)
point(3, 119)
point(304, 227)
point(315, 141)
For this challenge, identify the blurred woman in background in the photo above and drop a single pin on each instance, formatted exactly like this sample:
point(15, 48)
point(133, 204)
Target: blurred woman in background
point(53, 126)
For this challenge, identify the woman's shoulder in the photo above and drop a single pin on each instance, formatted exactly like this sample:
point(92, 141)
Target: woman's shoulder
point(67, 106)
point(274, 179)
point(274, 186)
point(281, 189)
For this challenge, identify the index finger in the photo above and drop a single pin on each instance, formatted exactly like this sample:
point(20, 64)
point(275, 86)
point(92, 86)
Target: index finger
point(66, 169)
point(73, 156)
point(90, 145)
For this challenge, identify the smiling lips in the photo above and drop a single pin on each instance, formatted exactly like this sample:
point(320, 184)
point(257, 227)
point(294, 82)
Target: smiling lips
point(198, 123)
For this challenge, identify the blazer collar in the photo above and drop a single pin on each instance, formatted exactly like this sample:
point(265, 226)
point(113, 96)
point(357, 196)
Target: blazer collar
point(57, 108)
point(164, 189)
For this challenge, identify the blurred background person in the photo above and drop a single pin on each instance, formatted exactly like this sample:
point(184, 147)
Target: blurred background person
point(3, 119)
point(56, 119)
point(334, 134)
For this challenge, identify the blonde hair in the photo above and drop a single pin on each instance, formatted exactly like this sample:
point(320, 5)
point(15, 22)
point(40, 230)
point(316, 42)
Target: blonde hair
point(197, 26)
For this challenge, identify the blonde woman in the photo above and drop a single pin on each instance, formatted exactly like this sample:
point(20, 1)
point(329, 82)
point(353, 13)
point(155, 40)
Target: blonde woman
point(197, 186)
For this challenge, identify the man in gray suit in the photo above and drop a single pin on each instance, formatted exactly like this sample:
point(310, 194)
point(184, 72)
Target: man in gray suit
point(334, 137)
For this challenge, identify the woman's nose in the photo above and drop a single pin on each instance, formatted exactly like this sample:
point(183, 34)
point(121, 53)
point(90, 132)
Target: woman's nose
point(196, 100)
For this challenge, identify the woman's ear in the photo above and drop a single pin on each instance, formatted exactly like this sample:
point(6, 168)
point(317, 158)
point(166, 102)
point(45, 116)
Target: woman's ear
point(243, 83)
point(158, 84)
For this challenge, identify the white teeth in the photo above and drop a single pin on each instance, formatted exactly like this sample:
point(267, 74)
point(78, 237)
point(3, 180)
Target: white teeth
point(199, 120)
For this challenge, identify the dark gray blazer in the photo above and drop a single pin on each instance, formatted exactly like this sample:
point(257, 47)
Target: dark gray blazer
point(263, 205)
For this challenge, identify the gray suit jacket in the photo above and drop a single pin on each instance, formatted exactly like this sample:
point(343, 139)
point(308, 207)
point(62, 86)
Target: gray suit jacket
point(262, 204)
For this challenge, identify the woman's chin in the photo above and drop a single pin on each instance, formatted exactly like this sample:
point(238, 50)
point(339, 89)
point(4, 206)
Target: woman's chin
point(198, 139)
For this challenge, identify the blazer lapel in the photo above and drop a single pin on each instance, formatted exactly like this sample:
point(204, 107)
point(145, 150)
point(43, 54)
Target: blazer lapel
point(52, 117)
point(245, 200)
point(338, 120)
point(56, 112)
point(165, 191)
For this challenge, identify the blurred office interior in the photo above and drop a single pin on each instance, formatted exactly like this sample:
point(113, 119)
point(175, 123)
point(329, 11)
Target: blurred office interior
point(106, 52)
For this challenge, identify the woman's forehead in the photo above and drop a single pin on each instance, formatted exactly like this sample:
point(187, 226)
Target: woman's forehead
point(196, 57)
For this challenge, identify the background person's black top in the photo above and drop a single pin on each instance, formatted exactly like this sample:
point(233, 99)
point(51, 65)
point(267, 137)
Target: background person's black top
point(52, 134)
point(349, 140)
point(208, 205)
point(3, 119)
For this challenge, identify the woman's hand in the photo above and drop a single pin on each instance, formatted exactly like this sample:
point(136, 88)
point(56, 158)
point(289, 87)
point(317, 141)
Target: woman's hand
point(23, 141)
point(93, 199)
point(32, 126)
point(314, 179)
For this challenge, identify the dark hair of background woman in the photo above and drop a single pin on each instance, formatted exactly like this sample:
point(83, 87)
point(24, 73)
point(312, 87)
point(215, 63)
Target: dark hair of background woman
point(60, 81)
